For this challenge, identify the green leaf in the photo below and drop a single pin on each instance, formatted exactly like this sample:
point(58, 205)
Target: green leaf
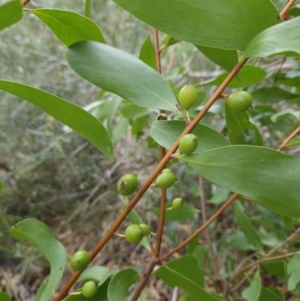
point(184, 272)
point(165, 133)
point(276, 268)
point(42, 237)
point(226, 59)
point(250, 171)
point(268, 294)
point(185, 212)
point(281, 115)
point(293, 269)
point(69, 26)
point(295, 142)
point(10, 13)
point(282, 38)
point(252, 292)
point(98, 274)
point(219, 196)
point(120, 284)
point(112, 108)
point(147, 53)
point(273, 94)
point(227, 25)
point(249, 75)
point(69, 114)
point(4, 296)
point(132, 111)
point(240, 129)
point(250, 233)
point(118, 72)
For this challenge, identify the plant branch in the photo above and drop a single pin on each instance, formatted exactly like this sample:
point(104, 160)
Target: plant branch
point(24, 2)
point(287, 8)
point(289, 138)
point(87, 8)
point(152, 177)
point(144, 280)
point(163, 197)
point(202, 228)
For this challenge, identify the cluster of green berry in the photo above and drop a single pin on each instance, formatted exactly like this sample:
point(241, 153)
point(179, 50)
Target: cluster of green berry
point(238, 101)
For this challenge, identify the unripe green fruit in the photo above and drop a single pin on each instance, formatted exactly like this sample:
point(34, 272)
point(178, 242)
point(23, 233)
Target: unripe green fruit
point(187, 96)
point(188, 144)
point(165, 180)
point(240, 101)
point(177, 203)
point(134, 234)
point(145, 228)
point(89, 289)
point(127, 184)
point(166, 170)
point(80, 260)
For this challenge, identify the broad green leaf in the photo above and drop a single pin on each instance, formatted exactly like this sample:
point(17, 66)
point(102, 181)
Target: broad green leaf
point(69, 114)
point(165, 133)
point(251, 171)
point(295, 142)
point(98, 274)
point(200, 252)
point(121, 73)
point(185, 212)
point(267, 294)
point(147, 53)
point(216, 24)
point(120, 283)
point(184, 272)
point(69, 26)
point(293, 270)
point(219, 196)
point(4, 296)
point(252, 292)
point(273, 94)
point(236, 239)
point(132, 111)
point(250, 233)
point(276, 268)
point(112, 108)
point(10, 13)
point(282, 38)
point(281, 115)
point(240, 129)
point(42, 237)
point(249, 75)
point(101, 294)
point(226, 59)
point(40, 291)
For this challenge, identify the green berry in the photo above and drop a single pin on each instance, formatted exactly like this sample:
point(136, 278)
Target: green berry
point(188, 144)
point(240, 101)
point(134, 234)
point(127, 184)
point(80, 260)
point(165, 180)
point(145, 228)
point(187, 96)
point(177, 203)
point(166, 170)
point(89, 289)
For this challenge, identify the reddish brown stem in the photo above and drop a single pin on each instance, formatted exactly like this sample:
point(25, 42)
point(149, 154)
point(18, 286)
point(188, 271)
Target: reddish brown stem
point(152, 177)
point(289, 138)
point(287, 8)
point(202, 228)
